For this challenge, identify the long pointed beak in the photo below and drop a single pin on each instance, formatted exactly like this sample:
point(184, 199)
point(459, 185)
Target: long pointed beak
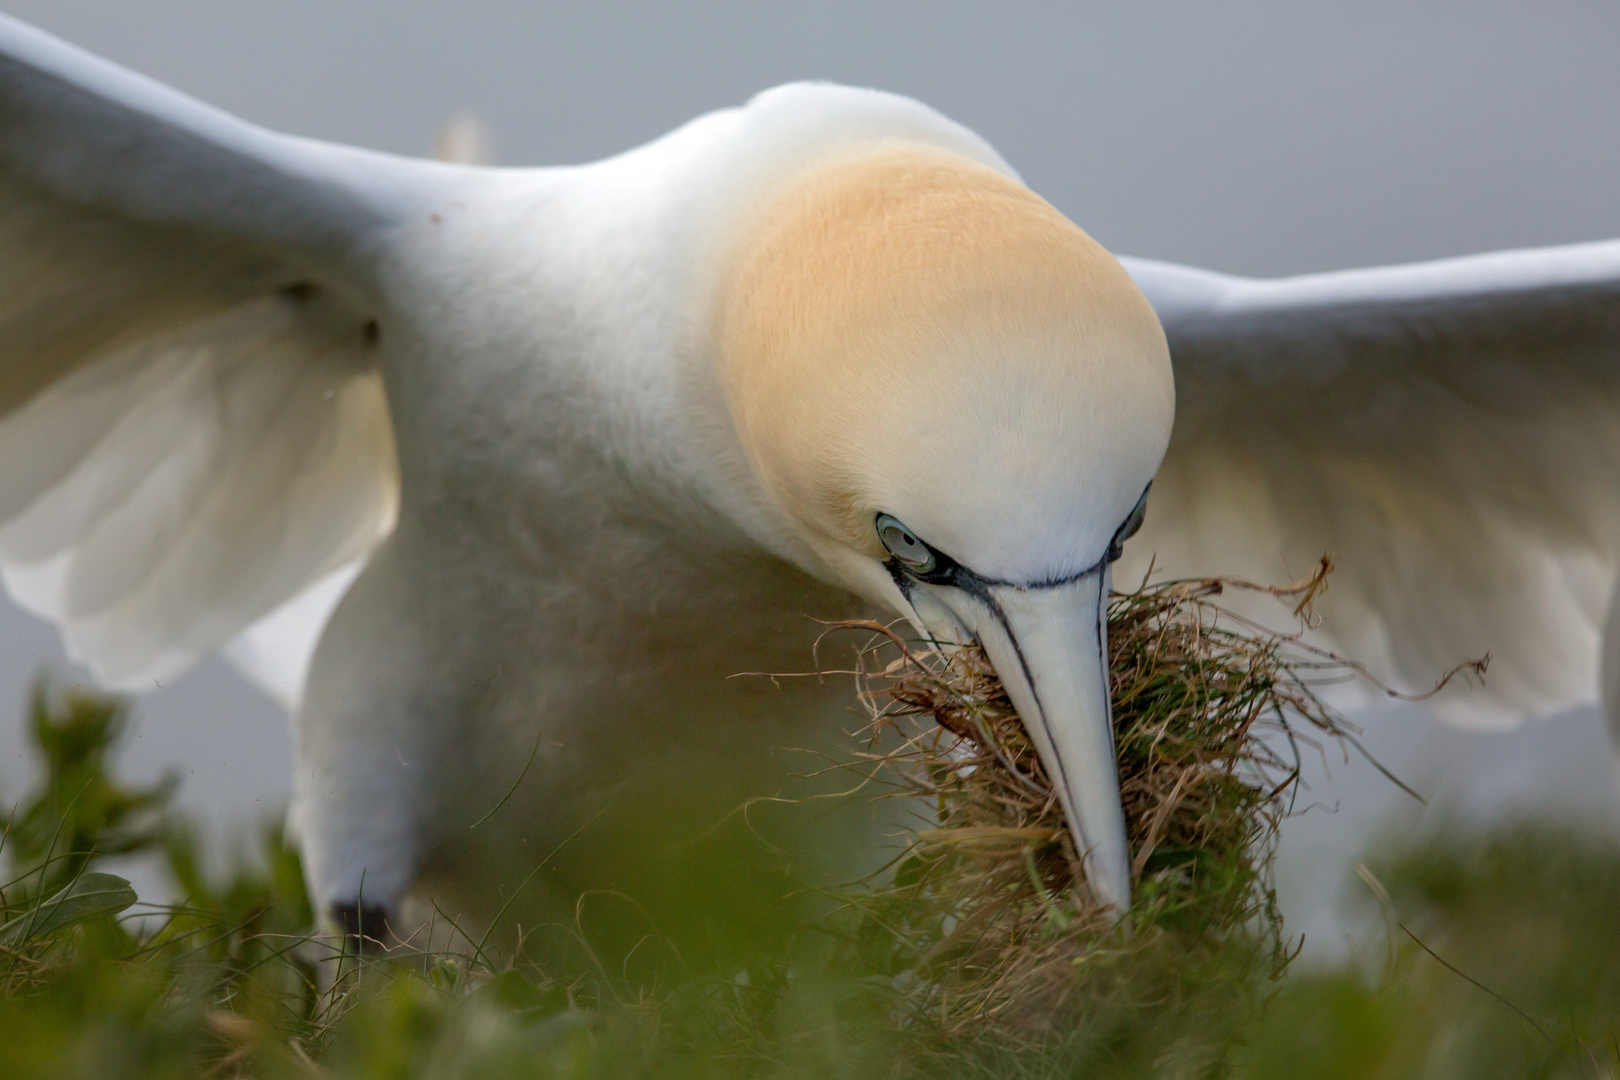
point(1049, 646)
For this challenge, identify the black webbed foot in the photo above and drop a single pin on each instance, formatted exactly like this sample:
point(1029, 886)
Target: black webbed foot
point(364, 926)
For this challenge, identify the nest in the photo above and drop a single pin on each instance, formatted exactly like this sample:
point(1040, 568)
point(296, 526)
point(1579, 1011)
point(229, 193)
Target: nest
point(985, 923)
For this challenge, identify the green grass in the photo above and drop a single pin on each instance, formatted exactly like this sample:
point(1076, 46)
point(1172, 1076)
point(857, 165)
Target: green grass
point(1503, 961)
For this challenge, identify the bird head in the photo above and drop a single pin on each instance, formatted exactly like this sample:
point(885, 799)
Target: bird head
point(957, 399)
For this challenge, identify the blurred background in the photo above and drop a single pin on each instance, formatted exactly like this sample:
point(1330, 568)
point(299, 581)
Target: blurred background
point(1257, 138)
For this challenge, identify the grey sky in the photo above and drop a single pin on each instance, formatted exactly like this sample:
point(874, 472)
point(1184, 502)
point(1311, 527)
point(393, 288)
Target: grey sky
point(1260, 137)
point(1255, 137)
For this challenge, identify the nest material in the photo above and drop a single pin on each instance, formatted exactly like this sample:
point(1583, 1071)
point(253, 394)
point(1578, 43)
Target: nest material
point(986, 923)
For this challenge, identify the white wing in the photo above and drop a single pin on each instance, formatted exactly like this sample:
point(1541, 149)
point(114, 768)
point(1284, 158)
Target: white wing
point(1450, 430)
point(192, 421)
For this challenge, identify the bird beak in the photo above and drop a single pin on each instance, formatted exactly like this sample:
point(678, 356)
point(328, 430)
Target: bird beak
point(1049, 646)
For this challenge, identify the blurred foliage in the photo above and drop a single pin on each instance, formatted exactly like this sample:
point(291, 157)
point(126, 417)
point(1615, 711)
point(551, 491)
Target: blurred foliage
point(1503, 961)
point(232, 981)
point(81, 812)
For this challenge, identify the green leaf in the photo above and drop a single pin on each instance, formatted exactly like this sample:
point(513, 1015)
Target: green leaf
point(89, 895)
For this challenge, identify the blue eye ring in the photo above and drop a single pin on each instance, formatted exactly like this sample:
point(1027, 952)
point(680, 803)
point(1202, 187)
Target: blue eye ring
point(904, 545)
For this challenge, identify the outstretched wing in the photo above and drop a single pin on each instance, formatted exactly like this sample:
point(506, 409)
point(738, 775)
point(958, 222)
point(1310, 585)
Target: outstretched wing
point(192, 421)
point(1449, 430)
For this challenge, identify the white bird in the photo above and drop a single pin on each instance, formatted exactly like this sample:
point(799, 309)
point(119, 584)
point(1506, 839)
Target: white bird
point(602, 436)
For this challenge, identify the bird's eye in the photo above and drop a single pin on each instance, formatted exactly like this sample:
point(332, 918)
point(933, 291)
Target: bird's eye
point(904, 545)
point(1131, 526)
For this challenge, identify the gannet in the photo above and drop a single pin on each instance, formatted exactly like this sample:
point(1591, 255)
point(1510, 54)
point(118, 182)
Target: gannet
point(548, 454)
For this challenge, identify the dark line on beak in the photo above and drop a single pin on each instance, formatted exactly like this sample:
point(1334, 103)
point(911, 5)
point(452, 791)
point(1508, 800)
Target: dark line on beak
point(960, 577)
point(985, 597)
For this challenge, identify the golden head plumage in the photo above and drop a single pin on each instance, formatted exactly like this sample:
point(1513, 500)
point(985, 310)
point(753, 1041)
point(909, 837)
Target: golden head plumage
point(913, 332)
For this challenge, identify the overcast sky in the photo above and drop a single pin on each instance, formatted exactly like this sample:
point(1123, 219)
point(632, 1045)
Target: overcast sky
point(1262, 138)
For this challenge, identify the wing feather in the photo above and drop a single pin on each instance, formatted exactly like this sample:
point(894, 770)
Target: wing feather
point(193, 423)
point(1450, 431)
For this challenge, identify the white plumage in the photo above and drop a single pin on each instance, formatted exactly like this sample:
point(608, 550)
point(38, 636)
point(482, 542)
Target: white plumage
point(603, 436)
point(1450, 430)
